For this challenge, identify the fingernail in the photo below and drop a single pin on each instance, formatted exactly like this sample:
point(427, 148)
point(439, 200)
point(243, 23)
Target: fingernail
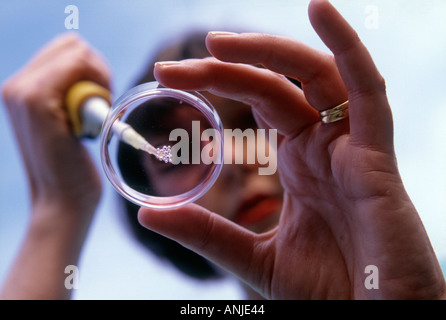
point(166, 63)
point(221, 33)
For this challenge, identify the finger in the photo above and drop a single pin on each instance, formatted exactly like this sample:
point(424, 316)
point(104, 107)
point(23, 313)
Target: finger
point(316, 70)
point(85, 64)
point(74, 57)
point(264, 125)
point(371, 120)
point(279, 103)
point(208, 234)
point(57, 44)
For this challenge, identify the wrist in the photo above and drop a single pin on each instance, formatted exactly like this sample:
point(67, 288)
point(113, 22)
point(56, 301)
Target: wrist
point(53, 241)
point(65, 201)
point(61, 221)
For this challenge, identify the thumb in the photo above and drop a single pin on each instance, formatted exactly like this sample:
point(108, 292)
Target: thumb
point(208, 234)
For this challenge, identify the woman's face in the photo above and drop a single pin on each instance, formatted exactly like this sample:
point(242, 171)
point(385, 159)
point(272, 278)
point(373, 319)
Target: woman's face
point(240, 193)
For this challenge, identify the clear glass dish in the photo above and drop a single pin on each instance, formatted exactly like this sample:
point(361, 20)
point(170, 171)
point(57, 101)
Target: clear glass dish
point(184, 121)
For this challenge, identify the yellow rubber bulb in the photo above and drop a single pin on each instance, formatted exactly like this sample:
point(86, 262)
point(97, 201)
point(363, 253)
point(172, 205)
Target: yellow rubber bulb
point(75, 98)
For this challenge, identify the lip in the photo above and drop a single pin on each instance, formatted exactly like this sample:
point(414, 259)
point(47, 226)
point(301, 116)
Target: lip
point(257, 208)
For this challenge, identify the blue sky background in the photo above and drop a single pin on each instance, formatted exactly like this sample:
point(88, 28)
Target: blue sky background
point(409, 48)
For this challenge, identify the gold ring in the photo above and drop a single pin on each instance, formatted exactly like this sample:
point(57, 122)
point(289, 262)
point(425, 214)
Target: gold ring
point(335, 114)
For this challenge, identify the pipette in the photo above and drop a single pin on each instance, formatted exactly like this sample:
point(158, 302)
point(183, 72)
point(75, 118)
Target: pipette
point(88, 105)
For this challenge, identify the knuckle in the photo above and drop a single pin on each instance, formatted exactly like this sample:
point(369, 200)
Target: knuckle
point(205, 240)
point(70, 41)
point(10, 90)
point(76, 48)
point(30, 97)
point(80, 59)
point(376, 86)
point(72, 37)
point(82, 52)
point(326, 65)
point(206, 236)
point(21, 92)
point(381, 84)
point(7, 90)
point(67, 38)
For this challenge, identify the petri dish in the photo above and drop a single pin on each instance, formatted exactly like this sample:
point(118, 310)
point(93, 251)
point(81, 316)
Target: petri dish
point(183, 122)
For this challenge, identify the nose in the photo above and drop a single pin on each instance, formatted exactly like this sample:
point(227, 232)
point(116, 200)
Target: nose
point(251, 150)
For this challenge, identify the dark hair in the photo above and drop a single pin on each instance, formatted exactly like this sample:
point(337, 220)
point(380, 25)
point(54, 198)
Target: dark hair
point(191, 45)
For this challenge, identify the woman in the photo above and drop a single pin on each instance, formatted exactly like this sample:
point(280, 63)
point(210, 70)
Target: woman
point(240, 194)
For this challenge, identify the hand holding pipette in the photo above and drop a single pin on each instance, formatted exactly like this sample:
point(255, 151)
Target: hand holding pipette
point(88, 105)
